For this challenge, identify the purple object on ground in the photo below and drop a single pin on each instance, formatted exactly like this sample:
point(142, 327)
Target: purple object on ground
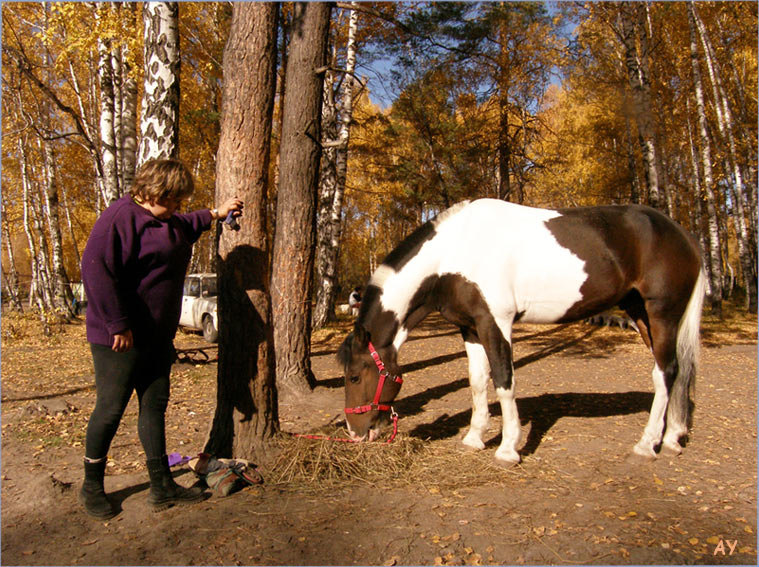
point(177, 459)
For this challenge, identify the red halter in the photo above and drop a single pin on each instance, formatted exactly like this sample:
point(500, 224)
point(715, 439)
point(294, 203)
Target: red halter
point(383, 374)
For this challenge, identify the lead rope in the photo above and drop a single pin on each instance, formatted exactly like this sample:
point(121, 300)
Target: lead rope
point(390, 439)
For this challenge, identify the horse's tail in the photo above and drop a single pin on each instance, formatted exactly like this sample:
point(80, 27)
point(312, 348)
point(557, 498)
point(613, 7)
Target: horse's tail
point(688, 348)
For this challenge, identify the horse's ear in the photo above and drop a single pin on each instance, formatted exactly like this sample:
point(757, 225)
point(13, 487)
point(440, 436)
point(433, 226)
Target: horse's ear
point(360, 337)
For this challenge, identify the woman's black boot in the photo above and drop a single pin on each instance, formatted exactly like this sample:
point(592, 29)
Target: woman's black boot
point(164, 492)
point(92, 495)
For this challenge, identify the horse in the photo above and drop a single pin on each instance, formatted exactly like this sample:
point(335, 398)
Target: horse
point(486, 264)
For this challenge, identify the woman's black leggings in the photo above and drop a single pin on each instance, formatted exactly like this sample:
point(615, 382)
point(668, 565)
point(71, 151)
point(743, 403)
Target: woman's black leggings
point(117, 375)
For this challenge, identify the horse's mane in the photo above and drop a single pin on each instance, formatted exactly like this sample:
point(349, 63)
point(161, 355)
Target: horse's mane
point(410, 245)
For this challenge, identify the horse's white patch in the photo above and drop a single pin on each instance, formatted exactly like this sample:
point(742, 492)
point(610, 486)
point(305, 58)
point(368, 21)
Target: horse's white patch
point(380, 275)
point(652, 434)
point(507, 250)
point(479, 375)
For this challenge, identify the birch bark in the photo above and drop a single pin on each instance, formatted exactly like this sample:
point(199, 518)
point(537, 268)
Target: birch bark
point(159, 125)
point(715, 260)
point(329, 229)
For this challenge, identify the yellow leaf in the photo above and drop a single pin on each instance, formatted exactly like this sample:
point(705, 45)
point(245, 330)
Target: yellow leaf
point(693, 541)
point(714, 540)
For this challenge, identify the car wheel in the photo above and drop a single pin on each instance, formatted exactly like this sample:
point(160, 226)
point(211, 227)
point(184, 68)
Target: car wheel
point(210, 333)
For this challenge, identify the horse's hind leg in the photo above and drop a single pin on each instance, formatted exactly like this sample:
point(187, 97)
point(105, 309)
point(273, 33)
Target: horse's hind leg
point(479, 373)
point(663, 340)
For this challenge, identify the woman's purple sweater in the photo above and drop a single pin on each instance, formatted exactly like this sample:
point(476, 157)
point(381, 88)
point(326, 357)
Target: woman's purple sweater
point(133, 270)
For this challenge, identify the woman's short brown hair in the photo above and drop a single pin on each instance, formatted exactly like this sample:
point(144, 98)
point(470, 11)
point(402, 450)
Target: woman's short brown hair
point(162, 179)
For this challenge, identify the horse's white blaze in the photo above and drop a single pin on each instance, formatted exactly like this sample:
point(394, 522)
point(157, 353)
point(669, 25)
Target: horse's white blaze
point(508, 250)
point(479, 374)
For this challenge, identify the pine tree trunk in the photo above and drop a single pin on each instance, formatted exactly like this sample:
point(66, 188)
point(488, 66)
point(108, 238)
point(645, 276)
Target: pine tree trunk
point(504, 146)
point(246, 412)
point(712, 220)
point(159, 126)
point(300, 153)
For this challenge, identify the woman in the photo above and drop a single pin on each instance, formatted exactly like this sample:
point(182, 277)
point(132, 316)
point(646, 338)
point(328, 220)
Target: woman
point(133, 269)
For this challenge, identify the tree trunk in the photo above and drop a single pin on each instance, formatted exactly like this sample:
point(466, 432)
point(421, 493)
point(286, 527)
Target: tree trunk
point(107, 118)
point(70, 227)
point(11, 277)
point(61, 284)
point(330, 212)
point(504, 146)
point(293, 259)
point(631, 165)
point(128, 115)
point(159, 126)
point(88, 134)
point(38, 289)
point(632, 17)
point(246, 412)
point(706, 162)
point(738, 192)
point(327, 188)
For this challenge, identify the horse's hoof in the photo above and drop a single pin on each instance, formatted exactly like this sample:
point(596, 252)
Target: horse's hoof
point(671, 449)
point(509, 460)
point(641, 454)
point(472, 443)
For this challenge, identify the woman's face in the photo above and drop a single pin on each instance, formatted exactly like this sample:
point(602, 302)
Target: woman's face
point(164, 207)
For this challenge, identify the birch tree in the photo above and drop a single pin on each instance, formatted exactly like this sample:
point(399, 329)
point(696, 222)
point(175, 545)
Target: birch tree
point(108, 114)
point(336, 121)
point(738, 191)
point(632, 19)
point(714, 251)
point(159, 125)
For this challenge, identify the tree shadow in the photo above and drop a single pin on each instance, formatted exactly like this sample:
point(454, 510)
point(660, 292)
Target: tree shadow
point(542, 412)
point(51, 395)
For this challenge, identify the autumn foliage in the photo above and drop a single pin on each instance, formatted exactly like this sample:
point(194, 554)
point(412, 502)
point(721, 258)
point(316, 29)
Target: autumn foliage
point(568, 105)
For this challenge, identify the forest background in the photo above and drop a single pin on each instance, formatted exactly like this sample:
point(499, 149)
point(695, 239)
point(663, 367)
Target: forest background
point(544, 104)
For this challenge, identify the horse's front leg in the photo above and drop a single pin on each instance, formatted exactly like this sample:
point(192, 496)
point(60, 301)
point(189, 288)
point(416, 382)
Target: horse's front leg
point(479, 373)
point(497, 339)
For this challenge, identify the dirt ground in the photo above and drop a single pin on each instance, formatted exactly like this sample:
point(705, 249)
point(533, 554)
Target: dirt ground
point(584, 394)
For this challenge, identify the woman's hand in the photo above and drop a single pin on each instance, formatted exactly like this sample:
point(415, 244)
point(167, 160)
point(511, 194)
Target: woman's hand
point(122, 342)
point(233, 205)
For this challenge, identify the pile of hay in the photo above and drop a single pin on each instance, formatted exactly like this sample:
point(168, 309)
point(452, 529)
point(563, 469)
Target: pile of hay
point(316, 465)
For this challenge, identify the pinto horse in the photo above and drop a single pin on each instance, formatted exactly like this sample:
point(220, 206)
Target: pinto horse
point(486, 264)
